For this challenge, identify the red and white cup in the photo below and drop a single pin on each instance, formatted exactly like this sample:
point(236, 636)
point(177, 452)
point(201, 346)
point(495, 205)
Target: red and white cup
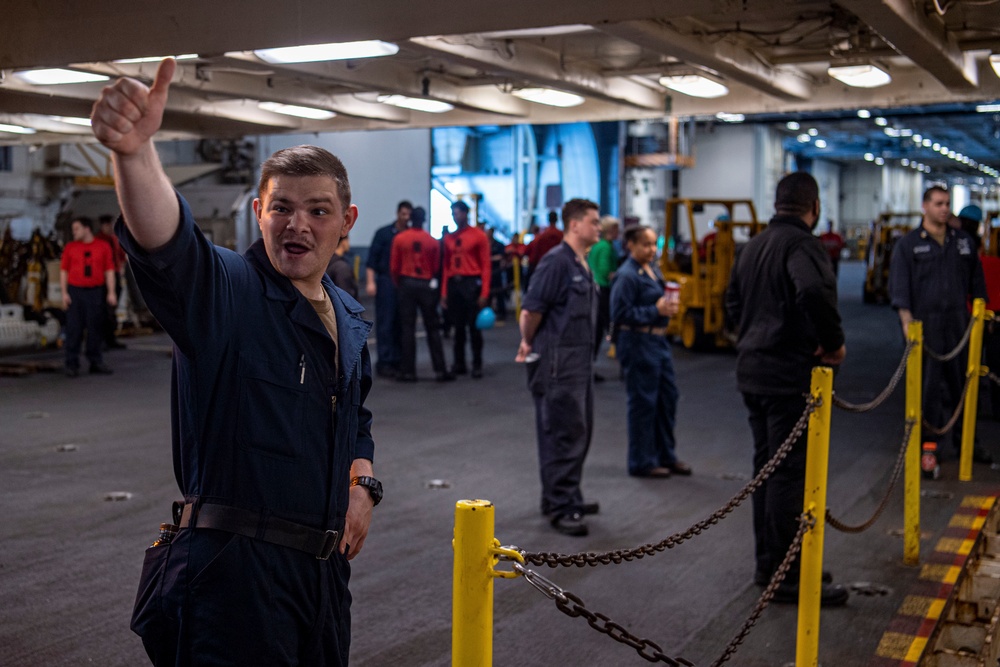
point(672, 291)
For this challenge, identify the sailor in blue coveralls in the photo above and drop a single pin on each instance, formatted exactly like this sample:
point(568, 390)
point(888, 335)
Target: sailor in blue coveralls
point(557, 338)
point(641, 313)
point(272, 443)
point(933, 276)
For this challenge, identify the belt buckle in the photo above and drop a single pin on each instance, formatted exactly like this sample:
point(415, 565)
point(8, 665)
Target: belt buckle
point(329, 544)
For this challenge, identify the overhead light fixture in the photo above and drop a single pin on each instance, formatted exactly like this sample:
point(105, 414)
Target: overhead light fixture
point(730, 117)
point(694, 85)
point(926, 143)
point(72, 120)
point(995, 62)
point(154, 59)
point(549, 96)
point(864, 113)
point(869, 157)
point(416, 103)
point(16, 129)
point(860, 76)
point(879, 161)
point(792, 125)
point(905, 162)
point(881, 122)
point(804, 138)
point(312, 53)
point(988, 108)
point(50, 77)
point(917, 138)
point(294, 110)
point(820, 143)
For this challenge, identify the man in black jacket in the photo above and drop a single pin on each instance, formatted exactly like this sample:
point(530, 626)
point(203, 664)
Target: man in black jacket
point(782, 299)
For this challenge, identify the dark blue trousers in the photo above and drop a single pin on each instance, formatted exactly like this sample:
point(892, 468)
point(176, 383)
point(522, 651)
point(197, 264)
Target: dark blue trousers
point(416, 294)
point(564, 418)
point(87, 310)
point(777, 504)
point(387, 333)
point(651, 389)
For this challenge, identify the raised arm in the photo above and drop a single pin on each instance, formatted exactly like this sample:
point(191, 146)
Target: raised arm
point(124, 119)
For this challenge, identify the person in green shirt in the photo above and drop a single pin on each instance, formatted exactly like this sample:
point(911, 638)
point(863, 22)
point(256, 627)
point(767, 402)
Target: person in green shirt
point(603, 260)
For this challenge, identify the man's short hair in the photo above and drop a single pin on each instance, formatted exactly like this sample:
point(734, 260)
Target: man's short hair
point(106, 219)
point(306, 161)
point(460, 204)
point(418, 217)
point(404, 204)
point(85, 221)
point(928, 193)
point(796, 194)
point(575, 209)
point(553, 218)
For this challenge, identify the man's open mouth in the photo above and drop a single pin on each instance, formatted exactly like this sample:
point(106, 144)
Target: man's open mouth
point(296, 248)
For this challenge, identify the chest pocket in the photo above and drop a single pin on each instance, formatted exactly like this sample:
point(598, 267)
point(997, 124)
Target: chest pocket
point(272, 406)
point(578, 329)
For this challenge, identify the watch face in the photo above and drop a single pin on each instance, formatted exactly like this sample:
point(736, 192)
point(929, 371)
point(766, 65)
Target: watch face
point(373, 485)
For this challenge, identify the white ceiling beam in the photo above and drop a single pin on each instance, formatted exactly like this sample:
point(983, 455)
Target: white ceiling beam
point(525, 61)
point(924, 42)
point(726, 58)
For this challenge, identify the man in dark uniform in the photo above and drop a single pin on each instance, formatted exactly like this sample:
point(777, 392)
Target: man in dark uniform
point(933, 274)
point(782, 299)
point(380, 286)
point(557, 338)
point(272, 443)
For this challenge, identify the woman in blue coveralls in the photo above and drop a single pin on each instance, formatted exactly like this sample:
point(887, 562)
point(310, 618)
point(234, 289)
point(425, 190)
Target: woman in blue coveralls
point(641, 311)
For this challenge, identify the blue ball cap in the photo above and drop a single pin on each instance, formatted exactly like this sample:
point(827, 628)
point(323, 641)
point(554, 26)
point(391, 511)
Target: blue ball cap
point(486, 318)
point(971, 212)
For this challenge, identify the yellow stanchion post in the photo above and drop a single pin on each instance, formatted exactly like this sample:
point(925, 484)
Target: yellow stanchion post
point(914, 414)
point(472, 601)
point(811, 575)
point(972, 391)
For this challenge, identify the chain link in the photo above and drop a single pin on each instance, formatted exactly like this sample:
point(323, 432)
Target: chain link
point(574, 607)
point(958, 348)
point(993, 376)
point(886, 393)
point(553, 559)
point(958, 411)
point(806, 522)
point(837, 524)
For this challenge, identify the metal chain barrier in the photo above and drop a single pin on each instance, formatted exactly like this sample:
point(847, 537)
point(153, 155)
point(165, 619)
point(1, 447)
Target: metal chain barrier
point(553, 559)
point(886, 393)
point(837, 524)
point(806, 522)
point(993, 376)
point(574, 607)
point(958, 348)
point(958, 411)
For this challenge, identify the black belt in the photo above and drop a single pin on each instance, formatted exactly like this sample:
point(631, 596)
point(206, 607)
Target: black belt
point(263, 527)
point(655, 331)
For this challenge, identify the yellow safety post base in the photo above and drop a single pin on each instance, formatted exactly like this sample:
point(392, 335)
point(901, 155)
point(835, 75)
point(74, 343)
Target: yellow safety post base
point(912, 474)
point(472, 606)
point(811, 575)
point(972, 390)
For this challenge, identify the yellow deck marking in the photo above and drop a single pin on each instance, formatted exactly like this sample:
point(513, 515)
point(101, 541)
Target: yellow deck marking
point(921, 607)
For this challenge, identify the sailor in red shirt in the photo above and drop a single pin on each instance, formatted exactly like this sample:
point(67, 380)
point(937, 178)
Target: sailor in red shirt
point(545, 241)
point(465, 286)
point(414, 262)
point(833, 243)
point(87, 278)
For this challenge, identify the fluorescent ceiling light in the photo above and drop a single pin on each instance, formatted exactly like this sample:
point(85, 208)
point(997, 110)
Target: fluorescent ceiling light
point(988, 108)
point(820, 143)
point(72, 120)
point(792, 125)
point(300, 112)
point(881, 122)
point(415, 103)
point(812, 132)
point(48, 77)
point(694, 85)
point(730, 117)
point(879, 161)
point(154, 59)
point(995, 62)
point(804, 138)
point(860, 76)
point(311, 53)
point(553, 98)
point(864, 113)
point(16, 129)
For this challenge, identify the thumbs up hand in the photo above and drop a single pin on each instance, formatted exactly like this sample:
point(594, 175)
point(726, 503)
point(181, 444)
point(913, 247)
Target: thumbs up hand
point(128, 113)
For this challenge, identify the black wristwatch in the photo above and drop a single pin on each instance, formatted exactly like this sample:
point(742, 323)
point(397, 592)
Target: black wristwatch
point(373, 485)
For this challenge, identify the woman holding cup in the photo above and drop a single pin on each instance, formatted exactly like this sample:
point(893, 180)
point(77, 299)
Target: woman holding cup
point(641, 306)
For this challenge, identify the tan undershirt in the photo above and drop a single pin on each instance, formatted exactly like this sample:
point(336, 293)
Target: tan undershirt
point(324, 309)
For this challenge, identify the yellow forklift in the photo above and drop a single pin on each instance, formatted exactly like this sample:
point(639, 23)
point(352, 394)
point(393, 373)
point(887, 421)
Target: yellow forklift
point(885, 231)
point(702, 268)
